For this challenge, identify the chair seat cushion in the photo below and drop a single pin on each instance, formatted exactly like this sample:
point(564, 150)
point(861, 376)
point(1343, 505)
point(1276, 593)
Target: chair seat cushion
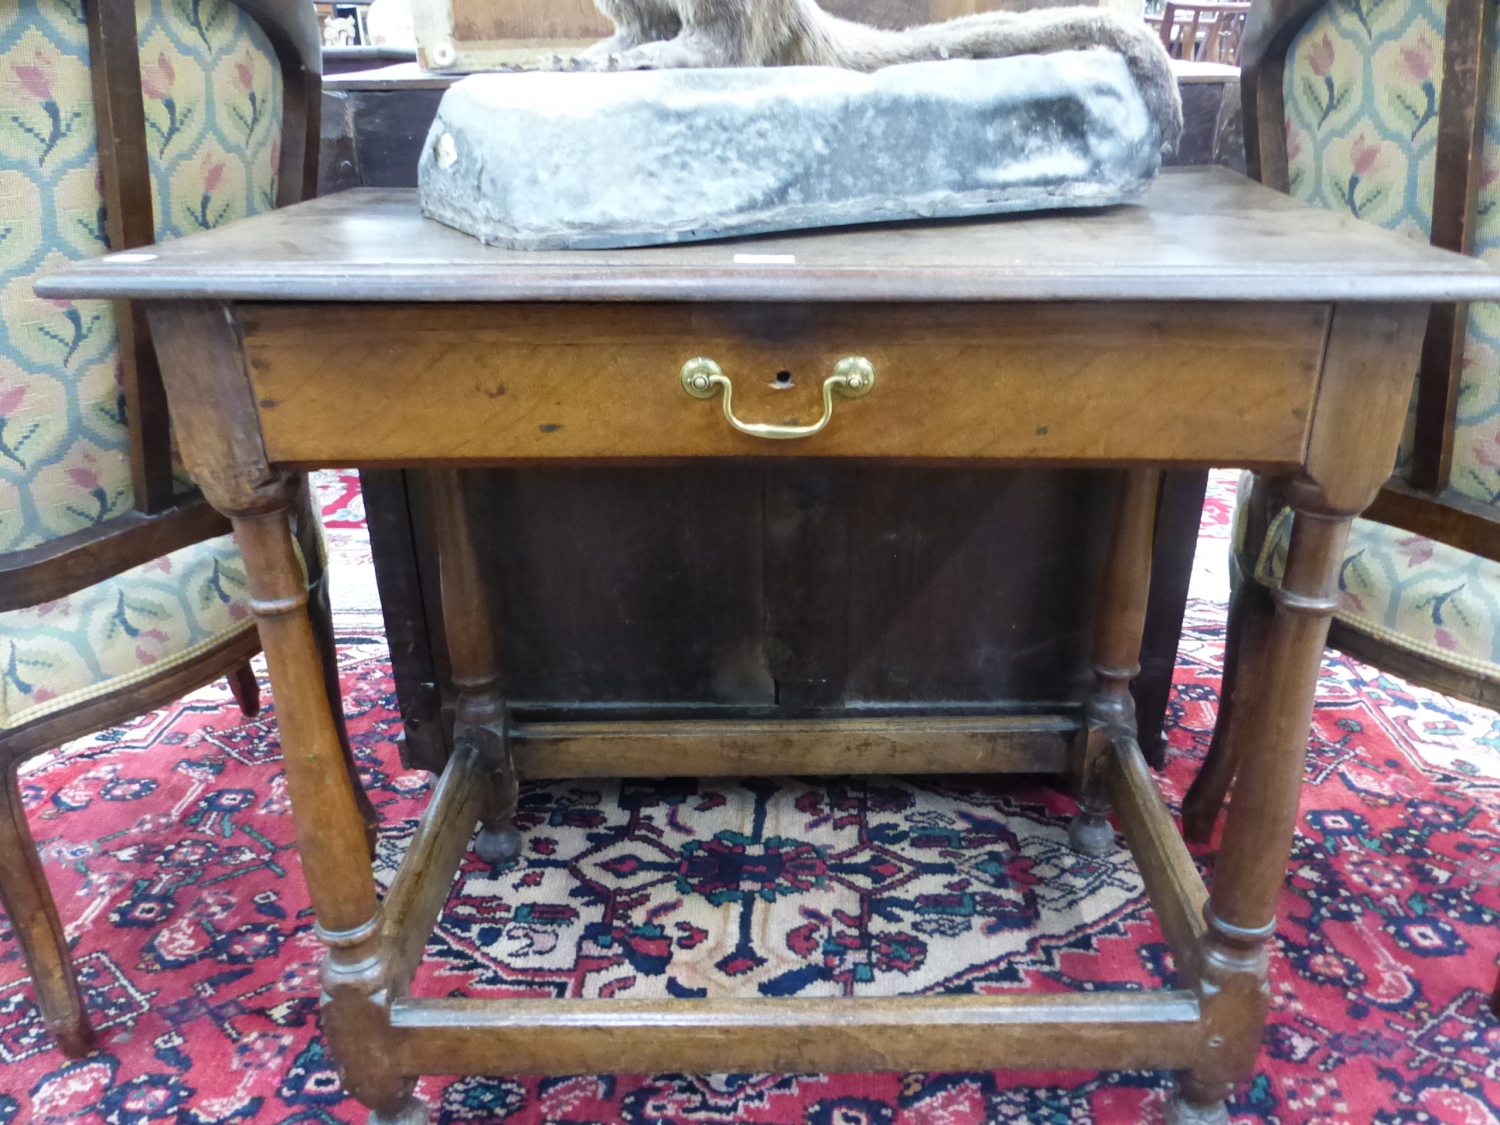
point(120, 632)
point(1407, 591)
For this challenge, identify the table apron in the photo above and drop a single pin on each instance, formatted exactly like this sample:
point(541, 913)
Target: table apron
point(1221, 383)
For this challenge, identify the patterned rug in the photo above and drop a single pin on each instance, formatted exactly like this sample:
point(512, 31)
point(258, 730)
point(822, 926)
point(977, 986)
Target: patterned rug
point(168, 843)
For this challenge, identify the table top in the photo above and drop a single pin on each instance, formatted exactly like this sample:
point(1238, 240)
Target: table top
point(397, 76)
point(1201, 233)
point(1191, 70)
point(411, 76)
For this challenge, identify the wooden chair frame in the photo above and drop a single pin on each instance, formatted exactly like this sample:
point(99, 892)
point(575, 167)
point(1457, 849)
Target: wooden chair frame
point(1216, 29)
point(1425, 503)
point(1274, 25)
point(163, 519)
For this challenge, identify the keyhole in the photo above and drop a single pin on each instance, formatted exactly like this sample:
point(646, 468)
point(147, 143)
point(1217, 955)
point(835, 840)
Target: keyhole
point(783, 378)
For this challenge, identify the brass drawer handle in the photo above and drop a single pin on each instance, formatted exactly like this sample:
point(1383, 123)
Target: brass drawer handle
point(852, 377)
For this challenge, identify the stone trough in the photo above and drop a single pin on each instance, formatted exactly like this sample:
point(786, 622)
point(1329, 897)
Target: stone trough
point(555, 160)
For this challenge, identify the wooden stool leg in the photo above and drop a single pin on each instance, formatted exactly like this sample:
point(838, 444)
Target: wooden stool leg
point(1230, 974)
point(33, 918)
point(331, 832)
point(480, 715)
point(1250, 611)
point(1109, 710)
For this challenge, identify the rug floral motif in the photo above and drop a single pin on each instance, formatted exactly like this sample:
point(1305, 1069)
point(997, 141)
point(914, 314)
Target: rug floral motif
point(169, 845)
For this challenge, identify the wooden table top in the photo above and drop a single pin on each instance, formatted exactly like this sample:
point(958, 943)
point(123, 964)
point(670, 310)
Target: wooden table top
point(1200, 234)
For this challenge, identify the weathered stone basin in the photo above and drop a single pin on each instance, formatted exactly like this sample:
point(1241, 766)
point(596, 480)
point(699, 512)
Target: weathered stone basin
point(551, 160)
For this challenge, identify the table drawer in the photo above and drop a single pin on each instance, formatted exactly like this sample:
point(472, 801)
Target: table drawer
point(407, 384)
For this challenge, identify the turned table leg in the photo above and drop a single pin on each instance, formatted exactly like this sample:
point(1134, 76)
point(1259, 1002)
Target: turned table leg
point(214, 406)
point(331, 831)
point(1366, 384)
point(1231, 966)
point(1109, 709)
point(480, 715)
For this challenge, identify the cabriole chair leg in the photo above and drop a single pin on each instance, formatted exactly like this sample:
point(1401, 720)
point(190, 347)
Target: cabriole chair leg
point(33, 918)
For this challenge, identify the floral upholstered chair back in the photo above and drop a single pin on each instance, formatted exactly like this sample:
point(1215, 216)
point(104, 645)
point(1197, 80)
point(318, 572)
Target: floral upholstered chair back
point(212, 96)
point(1362, 87)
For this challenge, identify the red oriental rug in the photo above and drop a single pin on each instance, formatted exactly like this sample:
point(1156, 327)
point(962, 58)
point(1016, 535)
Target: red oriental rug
point(168, 843)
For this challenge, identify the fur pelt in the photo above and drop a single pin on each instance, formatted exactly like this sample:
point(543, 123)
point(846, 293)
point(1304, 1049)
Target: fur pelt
point(663, 34)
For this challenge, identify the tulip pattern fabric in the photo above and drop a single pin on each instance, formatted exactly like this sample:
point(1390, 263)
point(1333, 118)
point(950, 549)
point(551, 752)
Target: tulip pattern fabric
point(213, 114)
point(121, 631)
point(1363, 83)
point(170, 843)
point(1409, 591)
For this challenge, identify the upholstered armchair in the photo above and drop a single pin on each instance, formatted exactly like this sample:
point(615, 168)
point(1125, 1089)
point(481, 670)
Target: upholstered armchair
point(1386, 112)
point(123, 123)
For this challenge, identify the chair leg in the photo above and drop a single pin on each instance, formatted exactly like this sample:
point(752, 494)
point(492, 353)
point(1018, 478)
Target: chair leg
point(320, 611)
point(33, 918)
point(1250, 611)
point(246, 689)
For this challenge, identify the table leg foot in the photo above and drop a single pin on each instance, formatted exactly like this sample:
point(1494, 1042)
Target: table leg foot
point(75, 1039)
point(499, 843)
point(411, 1110)
point(1183, 1112)
point(1090, 833)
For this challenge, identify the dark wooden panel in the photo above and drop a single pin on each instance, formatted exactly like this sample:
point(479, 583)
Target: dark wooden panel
point(338, 166)
point(939, 612)
point(940, 587)
point(790, 591)
point(389, 128)
point(407, 578)
point(809, 555)
point(627, 587)
point(1033, 743)
point(972, 586)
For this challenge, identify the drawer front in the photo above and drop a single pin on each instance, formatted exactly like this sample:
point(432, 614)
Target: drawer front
point(406, 384)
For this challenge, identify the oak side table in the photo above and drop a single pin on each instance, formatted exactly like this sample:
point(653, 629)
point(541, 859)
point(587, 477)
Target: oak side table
point(1217, 323)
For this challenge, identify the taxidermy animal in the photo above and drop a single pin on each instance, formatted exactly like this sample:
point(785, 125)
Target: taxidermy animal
point(663, 34)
